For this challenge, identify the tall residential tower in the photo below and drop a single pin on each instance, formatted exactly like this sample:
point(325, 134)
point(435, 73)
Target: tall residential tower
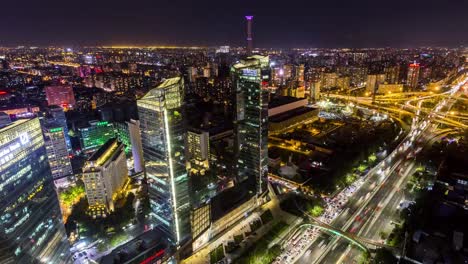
point(412, 78)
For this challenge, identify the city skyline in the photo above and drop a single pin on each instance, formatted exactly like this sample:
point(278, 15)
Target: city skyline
point(324, 24)
point(232, 152)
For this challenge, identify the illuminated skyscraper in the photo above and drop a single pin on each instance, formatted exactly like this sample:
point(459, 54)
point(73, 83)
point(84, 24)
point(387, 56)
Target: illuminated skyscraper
point(57, 152)
point(252, 120)
point(163, 134)
point(413, 75)
point(31, 228)
point(54, 115)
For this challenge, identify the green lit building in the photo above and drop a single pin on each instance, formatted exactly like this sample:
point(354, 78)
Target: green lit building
point(123, 134)
point(252, 120)
point(163, 133)
point(95, 135)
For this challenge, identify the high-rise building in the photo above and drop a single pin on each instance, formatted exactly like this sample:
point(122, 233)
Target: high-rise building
point(122, 132)
point(329, 79)
point(252, 121)
point(373, 82)
point(96, 135)
point(198, 144)
point(249, 35)
point(413, 75)
point(135, 141)
point(60, 95)
point(104, 173)
point(358, 76)
point(314, 91)
point(54, 115)
point(343, 83)
point(300, 73)
point(392, 74)
point(57, 153)
point(288, 71)
point(163, 135)
point(31, 228)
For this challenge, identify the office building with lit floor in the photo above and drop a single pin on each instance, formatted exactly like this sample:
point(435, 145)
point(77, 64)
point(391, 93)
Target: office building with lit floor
point(252, 120)
point(198, 144)
point(31, 228)
point(55, 116)
point(104, 174)
point(95, 135)
point(57, 153)
point(163, 135)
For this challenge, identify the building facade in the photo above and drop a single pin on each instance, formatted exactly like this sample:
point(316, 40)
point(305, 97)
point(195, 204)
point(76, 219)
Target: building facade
point(104, 173)
point(198, 144)
point(31, 228)
point(94, 136)
point(163, 133)
point(56, 116)
point(251, 121)
point(135, 141)
point(412, 78)
point(57, 153)
point(60, 95)
point(373, 82)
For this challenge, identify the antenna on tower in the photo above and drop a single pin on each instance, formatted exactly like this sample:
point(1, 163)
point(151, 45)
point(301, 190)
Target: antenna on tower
point(249, 34)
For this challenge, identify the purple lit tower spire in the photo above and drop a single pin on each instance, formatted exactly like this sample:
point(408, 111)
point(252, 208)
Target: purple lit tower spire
point(249, 34)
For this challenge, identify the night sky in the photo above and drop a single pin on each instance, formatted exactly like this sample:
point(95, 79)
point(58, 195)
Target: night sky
point(286, 23)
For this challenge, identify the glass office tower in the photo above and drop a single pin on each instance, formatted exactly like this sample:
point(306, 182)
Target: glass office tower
point(163, 137)
point(31, 228)
point(252, 120)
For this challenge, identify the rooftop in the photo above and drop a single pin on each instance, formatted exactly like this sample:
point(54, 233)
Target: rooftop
point(106, 151)
point(168, 82)
point(13, 124)
point(140, 248)
point(229, 199)
point(282, 100)
point(254, 60)
point(290, 114)
point(159, 90)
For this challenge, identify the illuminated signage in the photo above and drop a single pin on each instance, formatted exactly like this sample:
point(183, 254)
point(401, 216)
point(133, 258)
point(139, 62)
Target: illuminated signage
point(153, 257)
point(53, 130)
point(103, 123)
point(249, 72)
point(6, 153)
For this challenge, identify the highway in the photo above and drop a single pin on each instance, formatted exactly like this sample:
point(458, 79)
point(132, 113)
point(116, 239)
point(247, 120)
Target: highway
point(376, 201)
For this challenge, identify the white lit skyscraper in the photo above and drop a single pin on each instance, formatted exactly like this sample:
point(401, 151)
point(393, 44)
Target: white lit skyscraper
point(163, 136)
point(31, 228)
